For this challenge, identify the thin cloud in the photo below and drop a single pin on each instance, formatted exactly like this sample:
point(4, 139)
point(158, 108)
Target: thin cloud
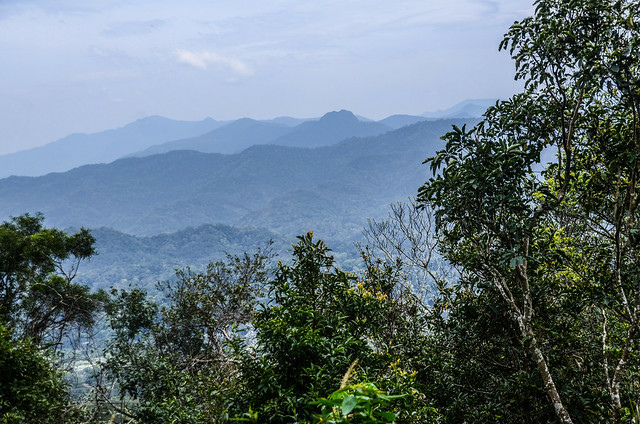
point(204, 58)
point(133, 28)
point(104, 75)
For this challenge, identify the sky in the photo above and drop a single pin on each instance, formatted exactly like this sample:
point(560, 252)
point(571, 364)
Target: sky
point(84, 66)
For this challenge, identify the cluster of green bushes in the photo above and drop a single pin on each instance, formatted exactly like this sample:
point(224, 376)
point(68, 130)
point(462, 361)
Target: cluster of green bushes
point(241, 341)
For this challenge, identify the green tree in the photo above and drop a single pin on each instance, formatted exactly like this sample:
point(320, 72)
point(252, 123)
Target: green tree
point(39, 299)
point(41, 307)
point(241, 340)
point(556, 244)
point(32, 389)
point(168, 359)
point(319, 321)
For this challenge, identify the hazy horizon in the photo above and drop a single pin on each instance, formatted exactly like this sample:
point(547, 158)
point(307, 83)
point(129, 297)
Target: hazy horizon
point(77, 67)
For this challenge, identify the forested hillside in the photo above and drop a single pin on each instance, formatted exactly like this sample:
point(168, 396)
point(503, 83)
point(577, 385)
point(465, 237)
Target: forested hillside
point(331, 190)
point(122, 259)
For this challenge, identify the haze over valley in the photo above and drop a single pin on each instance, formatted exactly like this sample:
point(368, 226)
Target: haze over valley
point(147, 184)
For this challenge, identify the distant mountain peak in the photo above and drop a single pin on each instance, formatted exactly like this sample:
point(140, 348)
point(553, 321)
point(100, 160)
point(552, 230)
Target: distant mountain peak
point(342, 116)
point(105, 146)
point(243, 121)
point(151, 119)
point(470, 108)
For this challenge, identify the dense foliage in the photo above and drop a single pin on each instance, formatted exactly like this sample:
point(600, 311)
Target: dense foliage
point(172, 360)
point(32, 389)
point(522, 307)
point(549, 253)
point(218, 349)
point(322, 319)
point(42, 309)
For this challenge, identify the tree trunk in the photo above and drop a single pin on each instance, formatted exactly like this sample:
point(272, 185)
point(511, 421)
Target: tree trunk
point(549, 385)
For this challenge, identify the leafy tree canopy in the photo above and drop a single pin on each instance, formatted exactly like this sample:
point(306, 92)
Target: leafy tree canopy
point(557, 244)
point(40, 307)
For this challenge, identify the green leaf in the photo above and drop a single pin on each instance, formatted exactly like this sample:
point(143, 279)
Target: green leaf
point(388, 416)
point(514, 262)
point(348, 404)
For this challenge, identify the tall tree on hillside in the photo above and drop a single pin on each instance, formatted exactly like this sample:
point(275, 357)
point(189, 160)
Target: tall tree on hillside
point(558, 243)
point(39, 299)
point(41, 307)
point(172, 362)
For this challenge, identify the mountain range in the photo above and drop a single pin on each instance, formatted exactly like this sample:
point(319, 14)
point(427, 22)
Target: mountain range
point(244, 133)
point(156, 134)
point(287, 190)
point(81, 149)
point(186, 192)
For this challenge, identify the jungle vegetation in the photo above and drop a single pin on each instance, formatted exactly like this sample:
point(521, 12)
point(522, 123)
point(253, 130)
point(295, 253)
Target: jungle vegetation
point(508, 293)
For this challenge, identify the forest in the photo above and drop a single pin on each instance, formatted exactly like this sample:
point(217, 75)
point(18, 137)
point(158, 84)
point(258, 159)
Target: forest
point(507, 291)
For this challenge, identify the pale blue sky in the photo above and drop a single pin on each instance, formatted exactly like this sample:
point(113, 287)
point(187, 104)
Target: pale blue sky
point(89, 65)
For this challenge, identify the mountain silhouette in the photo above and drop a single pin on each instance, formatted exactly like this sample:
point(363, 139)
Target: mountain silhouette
point(102, 147)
